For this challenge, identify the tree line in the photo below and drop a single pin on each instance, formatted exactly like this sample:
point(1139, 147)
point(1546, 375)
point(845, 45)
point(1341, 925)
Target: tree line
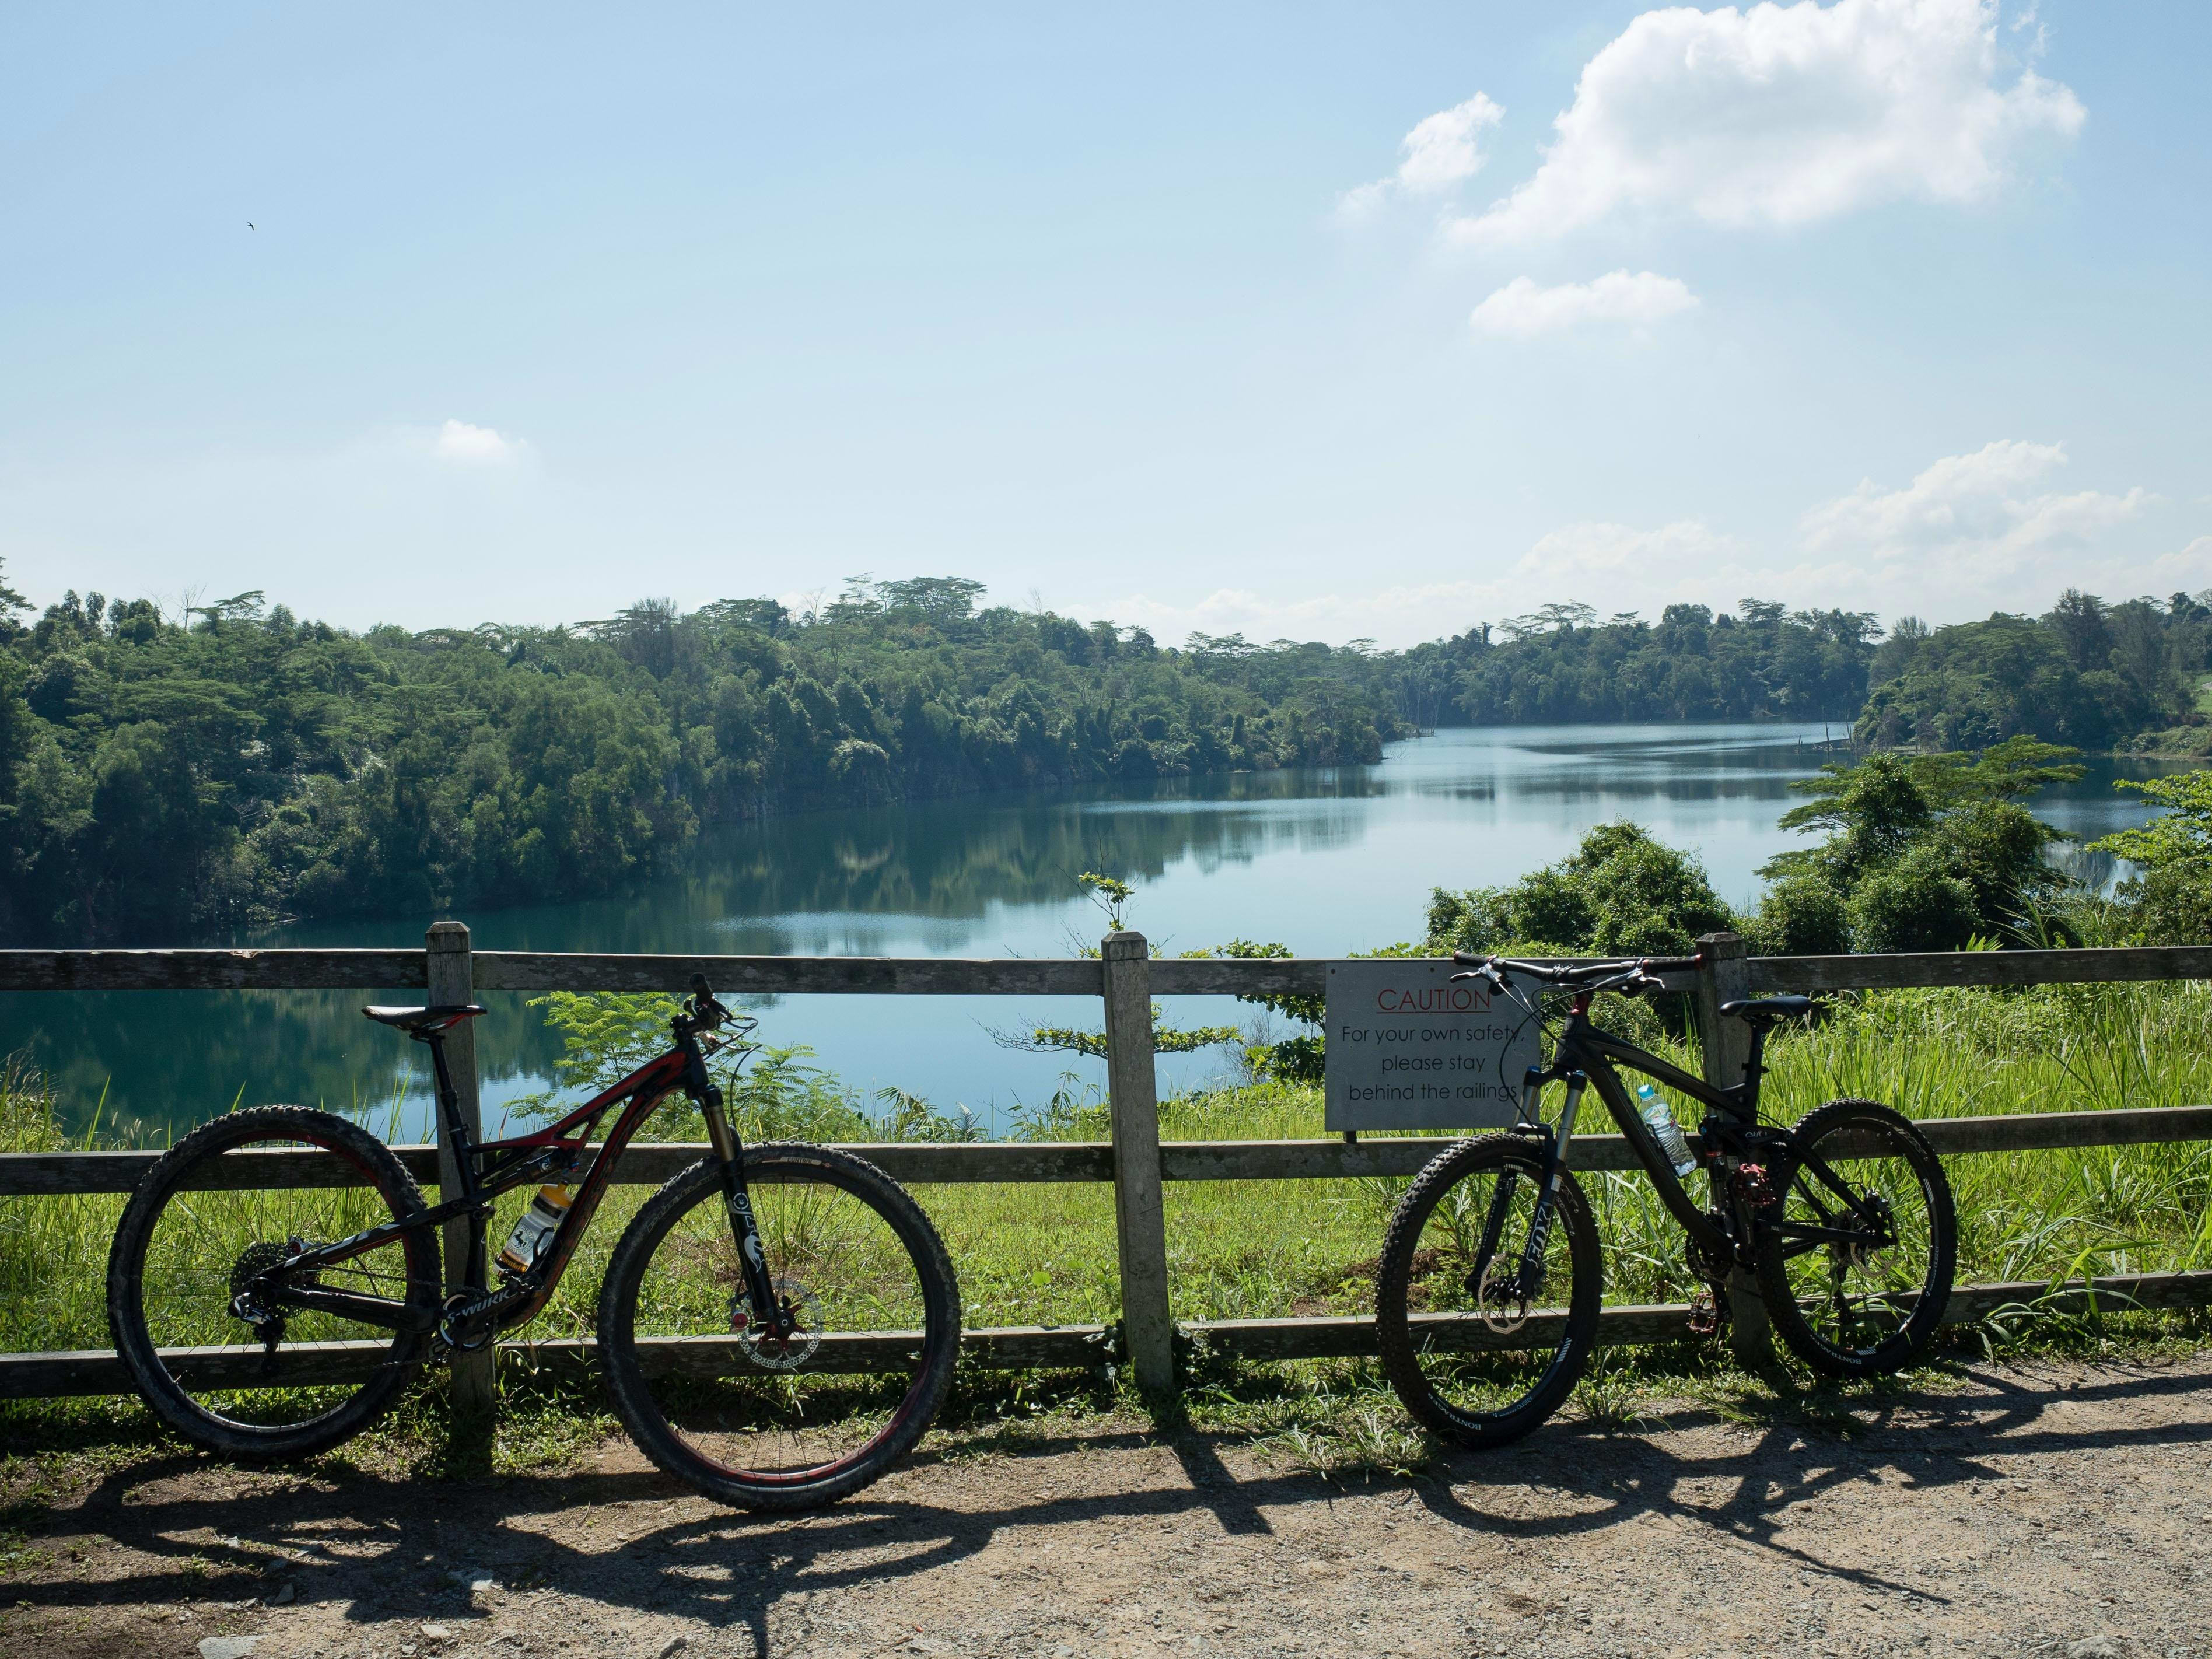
point(2087, 673)
point(171, 776)
point(164, 777)
point(1561, 664)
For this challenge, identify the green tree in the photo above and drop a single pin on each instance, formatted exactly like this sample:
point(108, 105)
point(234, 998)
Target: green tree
point(1620, 893)
point(2169, 900)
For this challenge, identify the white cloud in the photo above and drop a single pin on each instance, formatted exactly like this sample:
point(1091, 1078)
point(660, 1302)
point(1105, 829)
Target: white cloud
point(1394, 614)
point(1576, 551)
point(1984, 513)
point(2188, 570)
point(1785, 115)
point(1441, 151)
point(1520, 308)
point(475, 445)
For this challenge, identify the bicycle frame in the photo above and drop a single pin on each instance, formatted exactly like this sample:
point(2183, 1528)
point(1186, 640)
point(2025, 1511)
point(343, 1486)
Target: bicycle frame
point(490, 1169)
point(1731, 1135)
point(1584, 1051)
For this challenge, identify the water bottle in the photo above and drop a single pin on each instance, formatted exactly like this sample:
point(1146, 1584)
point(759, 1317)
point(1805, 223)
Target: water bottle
point(1652, 1106)
point(531, 1235)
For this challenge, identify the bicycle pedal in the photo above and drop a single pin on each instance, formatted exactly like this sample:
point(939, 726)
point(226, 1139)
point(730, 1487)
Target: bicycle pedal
point(1704, 1314)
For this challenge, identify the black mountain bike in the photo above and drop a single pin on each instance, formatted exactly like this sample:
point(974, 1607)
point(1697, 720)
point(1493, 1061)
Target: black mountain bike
point(777, 1325)
point(1487, 1299)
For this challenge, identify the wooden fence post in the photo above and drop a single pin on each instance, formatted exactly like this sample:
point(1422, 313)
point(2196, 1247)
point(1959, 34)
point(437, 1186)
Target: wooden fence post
point(1727, 1047)
point(1140, 1218)
point(452, 979)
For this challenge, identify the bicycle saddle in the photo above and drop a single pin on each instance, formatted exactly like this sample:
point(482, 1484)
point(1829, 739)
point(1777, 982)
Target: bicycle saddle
point(1768, 1008)
point(425, 1019)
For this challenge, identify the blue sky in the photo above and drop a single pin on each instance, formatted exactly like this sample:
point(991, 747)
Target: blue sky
point(1326, 322)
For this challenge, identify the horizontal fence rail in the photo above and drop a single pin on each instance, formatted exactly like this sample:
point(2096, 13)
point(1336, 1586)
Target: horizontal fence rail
point(561, 971)
point(1064, 1347)
point(1136, 1161)
point(925, 1164)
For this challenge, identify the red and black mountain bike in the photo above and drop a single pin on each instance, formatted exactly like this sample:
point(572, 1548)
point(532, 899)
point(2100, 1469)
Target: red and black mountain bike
point(777, 1325)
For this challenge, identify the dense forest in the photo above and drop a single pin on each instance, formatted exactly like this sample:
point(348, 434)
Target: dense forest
point(1561, 665)
point(2094, 675)
point(166, 777)
point(232, 766)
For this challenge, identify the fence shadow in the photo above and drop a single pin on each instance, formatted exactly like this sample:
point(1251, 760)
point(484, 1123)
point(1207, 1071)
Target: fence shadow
point(635, 1540)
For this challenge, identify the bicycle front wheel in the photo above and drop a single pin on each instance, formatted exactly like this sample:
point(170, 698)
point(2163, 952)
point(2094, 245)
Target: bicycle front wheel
point(199, 1246)
point(780, 1426)
point(1855, 1261)
point(1477, 1352)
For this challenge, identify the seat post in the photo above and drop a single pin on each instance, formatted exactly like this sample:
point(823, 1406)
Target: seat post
point(449, 1097)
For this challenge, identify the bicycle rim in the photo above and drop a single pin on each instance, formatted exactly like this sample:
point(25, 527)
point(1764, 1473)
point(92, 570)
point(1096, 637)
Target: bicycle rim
point(1855, 1302)
point(204, 1244)
point(732, 1409)
point(1487, 1363)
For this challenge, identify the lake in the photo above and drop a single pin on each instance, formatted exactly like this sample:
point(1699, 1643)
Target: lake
point(1325, 860)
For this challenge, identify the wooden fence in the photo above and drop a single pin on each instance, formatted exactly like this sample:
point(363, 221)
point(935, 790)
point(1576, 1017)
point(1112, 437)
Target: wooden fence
point(1126, 980)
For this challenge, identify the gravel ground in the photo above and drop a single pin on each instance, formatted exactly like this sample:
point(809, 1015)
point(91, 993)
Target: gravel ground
point(2048, 1511)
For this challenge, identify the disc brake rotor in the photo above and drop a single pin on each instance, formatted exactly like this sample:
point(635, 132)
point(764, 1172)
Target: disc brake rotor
point(1501, 1315)
point(786, 1354)
point(1874, 1253)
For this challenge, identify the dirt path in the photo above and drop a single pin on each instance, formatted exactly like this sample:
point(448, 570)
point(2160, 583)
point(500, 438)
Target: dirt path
point(2060, 1512)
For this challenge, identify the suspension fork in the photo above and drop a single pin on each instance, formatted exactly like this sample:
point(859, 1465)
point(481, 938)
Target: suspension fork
point(738, 1205)
point(1529, 1280)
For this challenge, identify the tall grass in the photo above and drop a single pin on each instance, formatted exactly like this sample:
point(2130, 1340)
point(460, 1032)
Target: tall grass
point(1035, 1254)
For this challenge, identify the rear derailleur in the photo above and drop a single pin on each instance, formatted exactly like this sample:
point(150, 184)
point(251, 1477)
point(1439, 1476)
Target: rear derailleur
point(247, 1274)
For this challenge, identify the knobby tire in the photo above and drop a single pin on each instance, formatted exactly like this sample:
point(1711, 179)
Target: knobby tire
point(182, 1291)
point(1417, 1355)
point(684, 1422)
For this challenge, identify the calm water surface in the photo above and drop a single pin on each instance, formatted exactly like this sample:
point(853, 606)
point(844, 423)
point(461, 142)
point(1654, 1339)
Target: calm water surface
point(1324, 860)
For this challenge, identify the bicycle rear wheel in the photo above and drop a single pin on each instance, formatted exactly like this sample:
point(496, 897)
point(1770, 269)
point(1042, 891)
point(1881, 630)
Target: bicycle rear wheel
point(192, 1238)
point(769, 1425)
point(1473, 1357)
point(1855, 1280)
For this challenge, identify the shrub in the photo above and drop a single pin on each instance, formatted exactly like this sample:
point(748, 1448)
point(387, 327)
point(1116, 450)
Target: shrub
point(1620, 893)
point(1917, 903)
point(2170, 902)
point(1801, 916)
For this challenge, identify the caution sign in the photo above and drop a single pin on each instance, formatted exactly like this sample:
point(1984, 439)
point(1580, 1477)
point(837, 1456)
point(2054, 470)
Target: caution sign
point(1408, 1049)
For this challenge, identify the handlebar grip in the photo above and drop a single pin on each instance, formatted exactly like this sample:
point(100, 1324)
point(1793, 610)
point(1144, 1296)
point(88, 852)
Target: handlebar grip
point(1468, 959)
point(1671, 965)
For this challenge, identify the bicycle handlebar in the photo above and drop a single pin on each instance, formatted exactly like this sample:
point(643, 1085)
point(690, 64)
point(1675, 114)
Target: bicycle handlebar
point(707, 1013)
point(1577, 973)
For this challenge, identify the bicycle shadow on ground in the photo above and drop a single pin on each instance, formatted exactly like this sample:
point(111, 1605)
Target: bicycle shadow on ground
point(1792, 1447)
point(636, 1541)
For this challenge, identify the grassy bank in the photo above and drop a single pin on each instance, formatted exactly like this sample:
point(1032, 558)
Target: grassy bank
point(1045, 1254)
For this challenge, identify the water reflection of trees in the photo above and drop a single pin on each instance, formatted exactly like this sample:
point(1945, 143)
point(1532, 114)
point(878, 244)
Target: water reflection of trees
point(166, 1061)
point(843, 882)
point(957, 860)
point(170, 1060)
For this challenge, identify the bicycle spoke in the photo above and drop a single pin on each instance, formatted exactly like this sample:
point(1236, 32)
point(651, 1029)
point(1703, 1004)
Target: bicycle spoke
point(1858, 1280)
point(755, 1410)
point(1482, 1346)
point(204, 1248)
